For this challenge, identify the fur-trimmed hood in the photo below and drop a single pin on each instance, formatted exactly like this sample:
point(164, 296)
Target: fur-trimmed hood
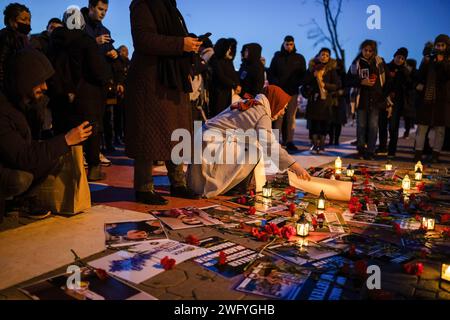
point(315, 64)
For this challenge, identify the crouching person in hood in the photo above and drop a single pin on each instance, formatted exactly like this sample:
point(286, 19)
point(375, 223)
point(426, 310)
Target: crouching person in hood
point(25, 163)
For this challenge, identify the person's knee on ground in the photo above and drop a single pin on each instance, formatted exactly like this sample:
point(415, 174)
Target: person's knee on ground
point(17, 183)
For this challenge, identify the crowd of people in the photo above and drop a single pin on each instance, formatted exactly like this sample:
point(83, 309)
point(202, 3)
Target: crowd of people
point(70, 85)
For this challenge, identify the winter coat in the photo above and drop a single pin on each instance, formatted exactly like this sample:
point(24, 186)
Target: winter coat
point(81, 70)
point(95, 29)
point(121, 68)
point(363, 97)
point(251, 73)
point(320, 108)
point(41, 42)
point(18, 151)
point(287, 71)
point(153, 111)
point(10, 43)
point(436, 113)
point(224, 80)
point(398, 86)
point(214, 179)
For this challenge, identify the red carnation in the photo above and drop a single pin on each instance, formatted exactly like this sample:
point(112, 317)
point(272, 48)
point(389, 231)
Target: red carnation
point(272, 229)
point(284, 199)
point(192, 240)
point(420, 186)
point(292, 208)
point(446, 233)
point(398, 229)
point(288, 232)
point(354, 179)
point(414, 268)
point(101, 274)
point(252, 194)
point(445, 218)
point(361, 268)
point(168, 263)
point(222, 258)
point(251, 211)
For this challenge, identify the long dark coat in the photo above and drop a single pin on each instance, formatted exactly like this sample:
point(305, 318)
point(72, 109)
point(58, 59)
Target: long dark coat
point(152, 111)
point(437, 113)
point(318, 109)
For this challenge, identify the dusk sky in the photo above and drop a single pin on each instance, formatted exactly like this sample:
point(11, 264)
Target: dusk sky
point(403, 23)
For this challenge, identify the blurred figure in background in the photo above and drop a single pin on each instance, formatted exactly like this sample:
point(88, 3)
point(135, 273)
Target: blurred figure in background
point(14, 37)
point(287, 70)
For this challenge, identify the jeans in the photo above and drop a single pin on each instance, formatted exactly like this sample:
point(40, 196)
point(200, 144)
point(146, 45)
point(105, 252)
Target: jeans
point(367, 129)
point(439, 138)
point(143, 176)
point(287, 124)
point(392, 125)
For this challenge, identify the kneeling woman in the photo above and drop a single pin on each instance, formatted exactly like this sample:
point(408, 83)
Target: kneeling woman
point(217, 177)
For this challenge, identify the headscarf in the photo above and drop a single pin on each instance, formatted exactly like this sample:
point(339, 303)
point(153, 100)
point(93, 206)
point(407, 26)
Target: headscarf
point(277, 98)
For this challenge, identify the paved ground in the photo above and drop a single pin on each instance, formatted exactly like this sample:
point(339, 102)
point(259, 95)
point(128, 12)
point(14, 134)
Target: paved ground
point(189, 281)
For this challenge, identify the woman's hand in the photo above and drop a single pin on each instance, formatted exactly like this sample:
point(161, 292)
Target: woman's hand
point(191, 44)
point(300, 172)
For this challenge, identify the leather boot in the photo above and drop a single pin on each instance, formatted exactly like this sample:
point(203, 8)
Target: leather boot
point(95, 174)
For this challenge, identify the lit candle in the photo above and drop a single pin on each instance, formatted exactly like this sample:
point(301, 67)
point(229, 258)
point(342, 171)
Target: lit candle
point(406, 184)
point(418, 165)
point(267, 190)
point(445, 273)
point(418, 175)
point(302, 226)
point(321, 201)
point(428, 223)
point(350, 171)
point(338, 165)
point(389, 166)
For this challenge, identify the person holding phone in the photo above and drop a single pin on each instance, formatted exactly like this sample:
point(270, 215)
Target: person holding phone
point(24, 162)
point(157, 102)
point(367, 80)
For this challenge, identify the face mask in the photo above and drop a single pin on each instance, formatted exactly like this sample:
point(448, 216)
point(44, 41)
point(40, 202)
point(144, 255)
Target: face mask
point(23, 28)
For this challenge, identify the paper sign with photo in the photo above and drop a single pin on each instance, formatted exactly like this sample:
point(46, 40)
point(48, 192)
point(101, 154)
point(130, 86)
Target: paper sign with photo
point(91, 288)
point(144, 262)
point(127, 233)
point(185, 218)
point(333, 189)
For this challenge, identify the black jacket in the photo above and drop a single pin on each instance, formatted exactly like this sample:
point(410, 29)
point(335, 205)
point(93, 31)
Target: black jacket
point(10, 42)
point(287, 71)
point(251, 72)
point(436, 113)
point(18, 151)
point(80, 69)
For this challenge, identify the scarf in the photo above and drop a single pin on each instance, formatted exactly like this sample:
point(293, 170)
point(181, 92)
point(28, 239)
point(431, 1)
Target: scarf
point(173, 72)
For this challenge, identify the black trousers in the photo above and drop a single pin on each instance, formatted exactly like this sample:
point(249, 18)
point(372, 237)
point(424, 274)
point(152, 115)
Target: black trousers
point(13, 183)
point(335, 133)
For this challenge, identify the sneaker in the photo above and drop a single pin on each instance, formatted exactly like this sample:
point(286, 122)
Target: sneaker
point(95, 174)
point(105, 162)
point(38, 215)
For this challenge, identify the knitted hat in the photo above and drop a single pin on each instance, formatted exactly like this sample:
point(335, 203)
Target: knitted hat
point(402, 52)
